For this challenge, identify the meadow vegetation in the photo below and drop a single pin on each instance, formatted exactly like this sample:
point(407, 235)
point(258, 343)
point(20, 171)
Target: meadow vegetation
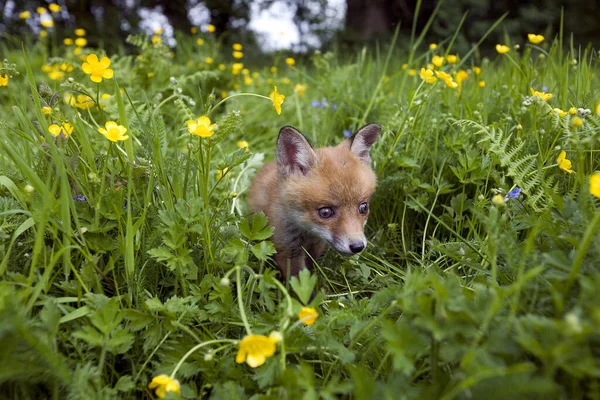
point(131, 268)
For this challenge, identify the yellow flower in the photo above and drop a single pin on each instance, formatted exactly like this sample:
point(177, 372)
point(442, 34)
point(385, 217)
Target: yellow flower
point(237, 54)
point(461, 75)
point(80, 101)
point(79, 32)
point(308, 315)
point(476, 70)
point(404, 66)
point(300, 88)
point(595, 184)
point(273, 69)
point(412, 72)
point(236, 68)
point(481, 84)
point(41, 10)
point(209, 60)
point(498, 200)
point(502, 49)
point(194, 30)
point(286, 81)
point(576, 122)
point(210, 28)
point(560, 112)
point(200, 42)
point(158, 31)
point(247, 80)
point(572, 111)
point(290, 61)
point(201, 127)
point(427, 75)
point(535, 39)
point(47, 110)
point(66, 129)
point(68, 41)
point(563, 163)
point(97, 69)
point(221, 173)
point(437, 61)
point(242, 143)
point(3, 80)
point(43, 33)
point(542, 95)
point(55, 74)
point(278, 99)
point(222, 67)
point(255, 75)
point(66, 67)
point(25, 15)
point(47, 23)
point(237, 47)
point(224, 94)
point(54, 7)
point(432, 46)
point(114, 132)
point(162, 384)
point(156, 39)
point(450, 83)
point(81, 42)
point(150, 74)
point(254, 349)
point(452, 59)
point(245, 71)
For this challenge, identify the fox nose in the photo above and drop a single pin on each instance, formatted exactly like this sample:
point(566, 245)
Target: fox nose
point(357, 247)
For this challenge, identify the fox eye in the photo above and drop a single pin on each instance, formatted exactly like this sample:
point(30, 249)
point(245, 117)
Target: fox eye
point(325, 212)
point(363, 208)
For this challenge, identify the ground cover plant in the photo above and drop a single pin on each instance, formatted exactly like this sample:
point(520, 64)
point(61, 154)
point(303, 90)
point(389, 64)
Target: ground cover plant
point(131, 268)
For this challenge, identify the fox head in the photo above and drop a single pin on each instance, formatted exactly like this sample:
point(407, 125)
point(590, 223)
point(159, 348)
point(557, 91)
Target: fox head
point(326, 191)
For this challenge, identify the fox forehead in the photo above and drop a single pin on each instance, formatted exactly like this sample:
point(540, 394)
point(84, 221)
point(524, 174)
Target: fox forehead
point(339, 178)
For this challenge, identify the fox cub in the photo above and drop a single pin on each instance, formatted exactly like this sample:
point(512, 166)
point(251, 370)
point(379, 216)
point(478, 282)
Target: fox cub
point(316, 197)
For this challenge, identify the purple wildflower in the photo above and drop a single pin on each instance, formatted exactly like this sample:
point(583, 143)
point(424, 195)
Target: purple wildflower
point(513, 194)
point(544, 88)
point(347, 133)
point(80, 197)
point(316, 104)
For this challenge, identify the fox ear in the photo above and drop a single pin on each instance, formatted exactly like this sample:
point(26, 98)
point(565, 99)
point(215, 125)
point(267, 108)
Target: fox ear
point(362, 140)
point(294, 153)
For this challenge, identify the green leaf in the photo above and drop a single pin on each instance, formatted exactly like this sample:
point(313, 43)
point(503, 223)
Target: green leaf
point(120, 341)
point(89, 335)
point(262, 250)
point(108, 317)
point(304, 285)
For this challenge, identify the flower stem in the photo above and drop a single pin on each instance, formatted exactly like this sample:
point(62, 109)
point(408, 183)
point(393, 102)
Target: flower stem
point(193, 349)
point(231, 97)
point(238, 276)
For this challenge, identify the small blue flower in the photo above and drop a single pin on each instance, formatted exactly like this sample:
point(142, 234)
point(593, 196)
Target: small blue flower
point(80, 197)
point(513, 194)
point(544, 88)
point(316, 104)
point(334, 107)
point(347, 133)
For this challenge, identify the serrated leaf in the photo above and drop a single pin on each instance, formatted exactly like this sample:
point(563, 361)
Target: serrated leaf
point(89, 335)
point(262, 250)
point(304, 285)
point(120, 341)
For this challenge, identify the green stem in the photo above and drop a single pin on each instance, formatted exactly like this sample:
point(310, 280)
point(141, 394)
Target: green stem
point(102, 181)
point(238, 284)
point(235, 95)
point(193, 349)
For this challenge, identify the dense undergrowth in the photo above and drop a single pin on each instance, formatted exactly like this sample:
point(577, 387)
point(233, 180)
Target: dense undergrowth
point(127, 260)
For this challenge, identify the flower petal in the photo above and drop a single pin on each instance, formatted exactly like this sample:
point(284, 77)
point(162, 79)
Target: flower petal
point(92, 59)
point(108, 73)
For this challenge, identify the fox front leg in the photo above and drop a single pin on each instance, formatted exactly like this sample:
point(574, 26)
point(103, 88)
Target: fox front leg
point(290, 266)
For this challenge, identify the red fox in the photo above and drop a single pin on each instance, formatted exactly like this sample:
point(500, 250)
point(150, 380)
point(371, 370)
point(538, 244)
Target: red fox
point(316, 197)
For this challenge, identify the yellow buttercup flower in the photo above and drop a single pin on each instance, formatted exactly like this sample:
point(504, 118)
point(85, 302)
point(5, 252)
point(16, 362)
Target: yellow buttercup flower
point(211, 28)
point(278, 99)
point(535, 39)
point(572, 111)
point(498, 200)
point(209, 60)
point(221, 173)
point(502, 49)
point(542, 95)
point(576, 122)
point(412, 72)
point(193, 30)
point(432, 46)
point(156, 39)
point(300, 88)
point(481, 84)
point(47, 110)
point(80, 101)
point(47, 23)
point(66, 129)
point(24, 15)
point(476, 70)
point(290, 61)
point(43, 33)
point(162, 384)
point(158, 31)
point(437, 61)
point(286, 81)
point(308, 315)
point(560, 112)
point(427, 75)
point(452, 59)
point(201, 127)
point(81, 42)
point(68, 42)
point(242, 143)
point(563, 163)
point(237, 54)
point(248, 80)
point(237, 47)
point(254, 349)
point(41, 10)
point(236, 68)
point(273, 69)
point(200, 42)
point(222, 67)
point(3, 80)
point(595, 184)
point(54, 7)
point(97, 69)
point(442, 75)
point(461, 75)
point(79, 32)
point(114, 132)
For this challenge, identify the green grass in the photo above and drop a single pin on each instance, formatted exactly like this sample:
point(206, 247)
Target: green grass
point(124, 261)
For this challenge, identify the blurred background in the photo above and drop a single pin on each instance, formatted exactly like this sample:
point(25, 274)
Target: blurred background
point(302, 25)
